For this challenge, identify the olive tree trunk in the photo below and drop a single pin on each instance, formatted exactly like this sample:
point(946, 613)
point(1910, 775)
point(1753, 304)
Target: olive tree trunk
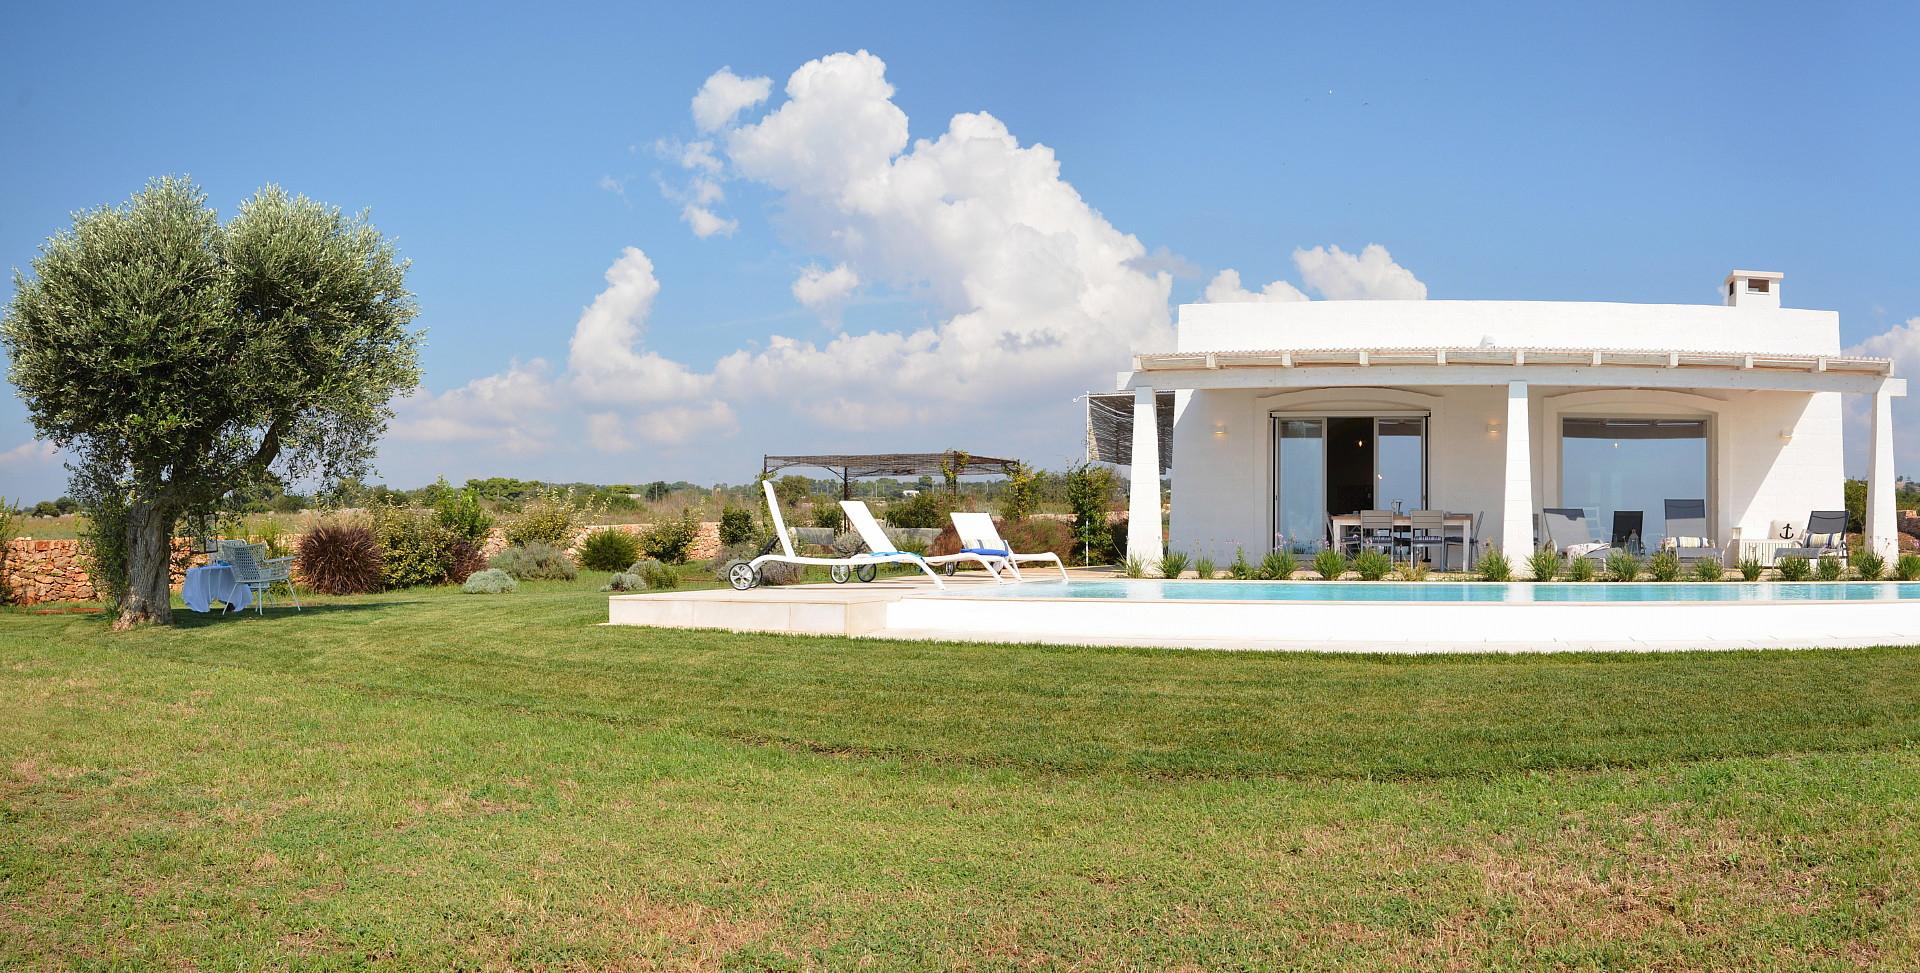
point(149, 566)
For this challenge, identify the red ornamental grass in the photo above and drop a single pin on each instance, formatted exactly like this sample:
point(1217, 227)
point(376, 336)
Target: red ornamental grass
point(340, 559)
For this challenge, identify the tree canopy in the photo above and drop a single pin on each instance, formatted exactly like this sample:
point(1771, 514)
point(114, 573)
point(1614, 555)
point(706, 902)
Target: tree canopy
point(181, 359)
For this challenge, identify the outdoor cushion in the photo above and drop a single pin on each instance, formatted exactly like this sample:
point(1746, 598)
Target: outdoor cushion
point(1824, 540)
point(1582, 550)
point(986, 551)
point(1686, 542)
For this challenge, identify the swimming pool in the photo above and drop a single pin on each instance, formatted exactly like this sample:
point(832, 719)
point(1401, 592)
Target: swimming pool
point(1432, 592)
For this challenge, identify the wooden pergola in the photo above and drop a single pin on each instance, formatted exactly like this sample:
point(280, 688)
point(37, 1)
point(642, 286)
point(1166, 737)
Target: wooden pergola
point(858, 466)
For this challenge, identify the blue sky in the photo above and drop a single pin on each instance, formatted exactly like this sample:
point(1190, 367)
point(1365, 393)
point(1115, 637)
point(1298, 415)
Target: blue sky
point(1633, 153)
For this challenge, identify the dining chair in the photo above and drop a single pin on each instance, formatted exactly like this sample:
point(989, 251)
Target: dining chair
point(1427, 530)
point(1376, 531)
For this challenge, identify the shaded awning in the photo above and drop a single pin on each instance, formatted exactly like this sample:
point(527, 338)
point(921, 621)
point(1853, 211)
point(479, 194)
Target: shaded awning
point(1110, 427)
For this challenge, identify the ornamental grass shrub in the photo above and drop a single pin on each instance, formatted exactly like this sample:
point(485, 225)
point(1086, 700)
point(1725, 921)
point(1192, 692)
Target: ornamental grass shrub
point(1239, 569)
point(489, 581)
point(1793, 568)
point(1204, 569)
point(1329, 564)
point(416, 549)
point(1544, 562)
point(1494, 566)
point(1277, 566)
point(1414, 571)
point(1751, 568)
point(608, 549)
point(340, 558)
point(1581, 569)
point(1869, 565)
point(1622, 566)
point(1134, 566)
point(1173, 564)
point(1372, 565)
point(537, 561)
point(1708, 570)
point(1907, 568)
point(1664, 565)
point(1829, 568)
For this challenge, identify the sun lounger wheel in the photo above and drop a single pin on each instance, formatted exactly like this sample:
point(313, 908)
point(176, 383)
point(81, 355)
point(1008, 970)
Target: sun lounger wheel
point(741, 575)
point(839, 573)
point(866, 572)
point(950, 568)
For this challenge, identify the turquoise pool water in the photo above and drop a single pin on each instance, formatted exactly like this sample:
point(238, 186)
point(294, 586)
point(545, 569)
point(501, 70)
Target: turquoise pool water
point(1454, 591)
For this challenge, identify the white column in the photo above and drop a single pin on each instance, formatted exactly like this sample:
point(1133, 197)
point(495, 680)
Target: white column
point(1143, 497)
point(1882, 526)
point(1516, 517)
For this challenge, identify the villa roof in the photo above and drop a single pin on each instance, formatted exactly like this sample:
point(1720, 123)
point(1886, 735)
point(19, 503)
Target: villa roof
point(1440, 357)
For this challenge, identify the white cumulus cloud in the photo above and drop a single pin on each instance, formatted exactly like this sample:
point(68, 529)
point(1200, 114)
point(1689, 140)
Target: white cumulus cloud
point(511, 410)
point(606, 361)
point(1334, 274)
point(33, 452)
point(706, 222)
point(724, 96)
point(678, 424)
point(825, 292)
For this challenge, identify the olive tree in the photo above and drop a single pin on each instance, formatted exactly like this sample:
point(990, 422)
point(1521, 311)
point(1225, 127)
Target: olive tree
point(179, 359)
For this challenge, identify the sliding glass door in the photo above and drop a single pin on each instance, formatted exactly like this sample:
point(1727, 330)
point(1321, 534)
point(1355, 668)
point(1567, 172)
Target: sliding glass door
point(1632, 467)
point(1330, 465)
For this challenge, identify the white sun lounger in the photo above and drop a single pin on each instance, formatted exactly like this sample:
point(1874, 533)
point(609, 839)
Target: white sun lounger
point(876, 538)
point(978, 535)
point(745, 574)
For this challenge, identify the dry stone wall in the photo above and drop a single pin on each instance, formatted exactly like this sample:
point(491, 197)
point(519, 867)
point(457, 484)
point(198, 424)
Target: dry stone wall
point(41, 571)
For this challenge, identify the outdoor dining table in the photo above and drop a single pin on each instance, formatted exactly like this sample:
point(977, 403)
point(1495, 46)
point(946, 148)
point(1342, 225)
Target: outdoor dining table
point(1403, 526)
point(213, 582)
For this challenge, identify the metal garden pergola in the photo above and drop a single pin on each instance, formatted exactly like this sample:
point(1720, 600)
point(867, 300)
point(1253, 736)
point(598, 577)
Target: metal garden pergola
point(856, 466)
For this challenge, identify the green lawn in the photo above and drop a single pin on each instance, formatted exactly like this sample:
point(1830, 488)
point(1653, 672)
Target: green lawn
point(432, 780)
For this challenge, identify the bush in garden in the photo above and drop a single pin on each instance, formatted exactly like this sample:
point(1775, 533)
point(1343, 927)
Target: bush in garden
point(1792, 568)
point(1090, 491)
point(491, 581)
point(671, 538)
point(624, 581)
point(1869, 565)
point(1134, 566)
point(1581, 569)
point(737, 527)
point(416, 549)
point(1622, 566)
point(1494, 566)
point(536, 561)
point(927, 509)
point(1372, 565)
point(1413, 571)
point(608, 549)
point(1173, 564)
point(1829, 568)
point(1751, 568)
point(1545, 562)
point(829, 515)
point(1708, 569)
point(460, 511)
point(1239, 569)
point(1329, 564)
point(654, 574)
point(1907, 568)
point(1664, 565)
point(1278, 566)
point(551, 520)
point(1204, 569)
point(340, 558)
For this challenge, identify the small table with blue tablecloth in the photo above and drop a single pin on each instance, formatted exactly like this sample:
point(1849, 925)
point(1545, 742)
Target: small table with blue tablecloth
point(209, 583)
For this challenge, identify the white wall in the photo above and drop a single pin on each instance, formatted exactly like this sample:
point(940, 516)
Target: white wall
point(1540, 324)
point(1222, 491)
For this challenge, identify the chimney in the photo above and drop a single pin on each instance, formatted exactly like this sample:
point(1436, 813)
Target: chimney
point(1753, 288)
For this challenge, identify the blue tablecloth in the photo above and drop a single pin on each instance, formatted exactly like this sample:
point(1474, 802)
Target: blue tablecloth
point(214, 582)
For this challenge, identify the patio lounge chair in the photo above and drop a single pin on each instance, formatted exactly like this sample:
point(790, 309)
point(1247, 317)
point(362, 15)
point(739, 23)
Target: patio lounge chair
point(258, 573)
point(1570, 533)
point(1687, 532)
point(1629, 526)
point(746, 574)
point(979, 536)
point(876, 539)
point(1825, 536)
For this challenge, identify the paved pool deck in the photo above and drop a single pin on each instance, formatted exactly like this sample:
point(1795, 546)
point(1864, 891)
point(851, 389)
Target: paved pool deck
point(911, 607)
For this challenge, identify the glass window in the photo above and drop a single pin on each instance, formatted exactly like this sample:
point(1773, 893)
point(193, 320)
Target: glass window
point(1398, 464)
point(1633, 465)
point(1300, 509)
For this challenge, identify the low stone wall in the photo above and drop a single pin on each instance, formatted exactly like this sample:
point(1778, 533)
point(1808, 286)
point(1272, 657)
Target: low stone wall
point(40, 571)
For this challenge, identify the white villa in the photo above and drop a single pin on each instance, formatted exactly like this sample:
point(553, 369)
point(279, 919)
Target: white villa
point(1287, 415)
